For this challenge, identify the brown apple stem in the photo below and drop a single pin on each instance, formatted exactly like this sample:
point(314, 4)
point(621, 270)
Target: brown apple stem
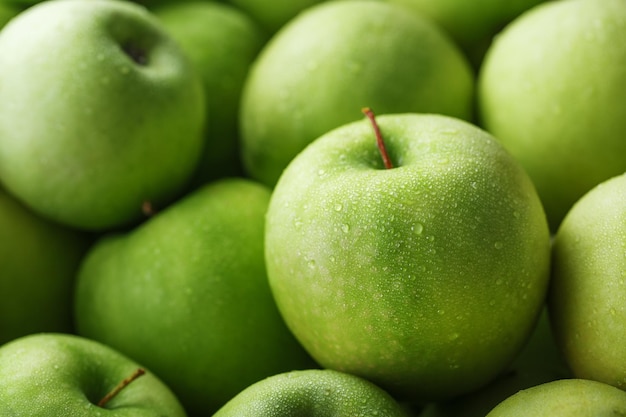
point(127, 381)
point(379, 137)
point(147, 209)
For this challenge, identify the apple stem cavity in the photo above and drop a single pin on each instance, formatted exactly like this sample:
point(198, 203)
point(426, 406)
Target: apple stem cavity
point(369, 113)
point(126, 382)
point(137, 54)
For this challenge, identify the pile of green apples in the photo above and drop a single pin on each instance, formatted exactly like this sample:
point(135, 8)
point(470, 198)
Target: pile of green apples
point(393, 208)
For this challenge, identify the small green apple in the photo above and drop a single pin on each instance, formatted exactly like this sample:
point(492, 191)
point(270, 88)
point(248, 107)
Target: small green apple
point(551, 90)
point(38, 263)
point(275, 14)
point(55, 374)
point(587, 296)
point(222, 43)
point(312, 393)
point(564, 398)
point(100, 111)
point(426, 278)
point(186, 294)
point(337, 57)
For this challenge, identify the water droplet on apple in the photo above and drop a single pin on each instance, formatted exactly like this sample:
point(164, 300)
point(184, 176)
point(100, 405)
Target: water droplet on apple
point(338, 207)
point(321, 172)
point(345, 228)
point(311, 263)
point(516, 214)
point(498, 245)
point(417, 228)
point(453, 336)
point(441, 312)
point(499, 281)
point(474, 185)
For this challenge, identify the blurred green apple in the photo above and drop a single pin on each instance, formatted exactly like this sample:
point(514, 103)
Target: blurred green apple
point(588, 289)
point(564, 398)
point(427, 278)
point(551, 89)
point(472, 24)
point(54, 374)
point(186, 294)
point(275, 14)
point(222, 42)
point(38, 263)
point(337, 57)
point(100, 111)
point(312, 393)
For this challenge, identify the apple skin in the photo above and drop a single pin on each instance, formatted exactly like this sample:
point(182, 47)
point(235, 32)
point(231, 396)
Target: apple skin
point(39, 261)
point(427, 278)
point(539, 362)
point(55, 374)
point(222, 42)
point(86, 133)
point(312, 393)
point(587, 296)
point(186, 293)
point(338, 57)
point(564, 398)
point(550, 89)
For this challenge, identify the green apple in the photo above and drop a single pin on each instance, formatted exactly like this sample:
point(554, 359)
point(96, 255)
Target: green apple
point(564, 398)
point(312, 393)
point(426, 278)
point(336, 58)
point(472, 24)
point(38, 263)
point(186, 294)
point(222, 43)
point(275, 14)
point(551, 90)
point(539, 362)
point(100, 111)
point(55, 374)
point(587, 296)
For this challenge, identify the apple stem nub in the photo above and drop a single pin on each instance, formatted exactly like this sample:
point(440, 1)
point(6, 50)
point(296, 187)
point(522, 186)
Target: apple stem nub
point(379, 137)
point(127, 381)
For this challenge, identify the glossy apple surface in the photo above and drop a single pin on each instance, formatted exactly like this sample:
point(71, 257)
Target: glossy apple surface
point(426, 278)
point(313, 393)
point(100, 111)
